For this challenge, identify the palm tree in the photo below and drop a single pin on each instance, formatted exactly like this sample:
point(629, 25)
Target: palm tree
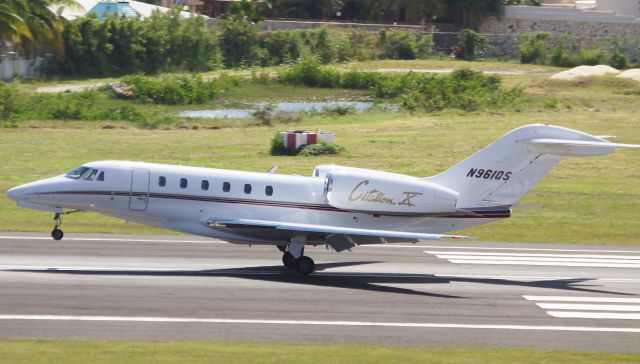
point(31, 24)
point(12, 24)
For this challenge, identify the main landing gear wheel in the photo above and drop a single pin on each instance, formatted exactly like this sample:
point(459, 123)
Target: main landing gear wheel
point(306, 265)
point(289, 261)
point(57, 234)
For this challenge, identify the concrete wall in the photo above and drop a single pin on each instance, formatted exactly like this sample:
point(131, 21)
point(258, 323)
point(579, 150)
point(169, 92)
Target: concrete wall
point(584, 27)
point(12, 66)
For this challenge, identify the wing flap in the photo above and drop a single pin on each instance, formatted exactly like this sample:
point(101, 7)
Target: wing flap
point(326, 229)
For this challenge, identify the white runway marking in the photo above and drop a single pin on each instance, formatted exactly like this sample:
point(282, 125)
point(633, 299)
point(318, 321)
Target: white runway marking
point(558, 260)
point(143, 319)
point(597, 307)
point(583, 299)
point(212, 241)
point(416, 246)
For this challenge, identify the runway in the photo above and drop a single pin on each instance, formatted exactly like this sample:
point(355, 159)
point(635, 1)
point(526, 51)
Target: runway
point(433, 294)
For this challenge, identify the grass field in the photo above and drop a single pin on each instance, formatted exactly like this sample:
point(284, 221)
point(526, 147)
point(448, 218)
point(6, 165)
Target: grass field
point(98, 352)
point(587, 200)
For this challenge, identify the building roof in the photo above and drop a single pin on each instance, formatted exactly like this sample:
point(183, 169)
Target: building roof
point(142, 9)
point(107, 7)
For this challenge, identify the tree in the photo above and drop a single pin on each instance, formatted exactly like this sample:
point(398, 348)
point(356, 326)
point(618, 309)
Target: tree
point(31, 24)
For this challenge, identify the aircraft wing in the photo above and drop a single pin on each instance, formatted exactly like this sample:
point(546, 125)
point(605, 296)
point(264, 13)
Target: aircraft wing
point(340, 238)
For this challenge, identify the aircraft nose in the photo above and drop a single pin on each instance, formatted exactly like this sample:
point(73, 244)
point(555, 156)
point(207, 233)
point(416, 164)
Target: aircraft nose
point(15, 193)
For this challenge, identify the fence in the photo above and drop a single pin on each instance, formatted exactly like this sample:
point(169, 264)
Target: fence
point(13, 66)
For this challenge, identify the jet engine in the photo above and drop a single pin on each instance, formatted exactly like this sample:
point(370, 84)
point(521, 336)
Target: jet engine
point(386, 193)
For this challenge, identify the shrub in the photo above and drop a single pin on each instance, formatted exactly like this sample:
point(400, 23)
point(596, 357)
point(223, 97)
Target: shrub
point(593, 55)
point(308, 72)
point(533, 48)
point(280, 47)
point(8, 98)
point(240, 43)
point(264, 114)
point(400, 45)
point(277, 146)
point(319, 149)
point(470, 45)
point(173, 89)
point(561, 55)
point(619, 58)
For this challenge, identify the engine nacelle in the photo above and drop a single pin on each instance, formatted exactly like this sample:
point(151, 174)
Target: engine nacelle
point(386, 193)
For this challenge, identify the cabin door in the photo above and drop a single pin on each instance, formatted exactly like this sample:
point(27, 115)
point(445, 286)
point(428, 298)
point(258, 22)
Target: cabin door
point(139, 194)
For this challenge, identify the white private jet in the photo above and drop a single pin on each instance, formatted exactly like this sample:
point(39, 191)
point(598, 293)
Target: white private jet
point(339, 207)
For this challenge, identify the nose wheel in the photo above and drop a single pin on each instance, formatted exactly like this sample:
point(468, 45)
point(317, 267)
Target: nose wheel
point(56, 233)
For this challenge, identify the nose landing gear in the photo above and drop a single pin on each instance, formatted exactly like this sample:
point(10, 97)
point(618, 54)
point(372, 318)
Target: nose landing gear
point(56, 233)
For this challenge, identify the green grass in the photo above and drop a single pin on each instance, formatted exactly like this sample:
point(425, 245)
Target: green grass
point(70, 352)
point(586, 200)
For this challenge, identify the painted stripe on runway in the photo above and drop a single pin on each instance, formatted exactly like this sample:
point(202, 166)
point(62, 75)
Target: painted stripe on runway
point(556, 264)
point(588, 307)
point(595, 308)
point(582, 299)
point(560, 260)
point(212, 241)
point(418, 246)
point(480, 254)
point(595, 315)
point(540, 259)
point(144, 319)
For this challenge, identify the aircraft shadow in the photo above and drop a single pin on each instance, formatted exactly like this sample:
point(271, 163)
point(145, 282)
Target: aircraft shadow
point(377, 282)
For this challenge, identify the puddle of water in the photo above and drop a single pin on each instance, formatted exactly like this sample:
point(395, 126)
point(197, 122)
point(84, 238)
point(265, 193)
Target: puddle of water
point(281, 107)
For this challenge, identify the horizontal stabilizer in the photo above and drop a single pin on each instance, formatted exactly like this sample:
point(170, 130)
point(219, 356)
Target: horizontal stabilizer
point(568, 147)
point(325, 229)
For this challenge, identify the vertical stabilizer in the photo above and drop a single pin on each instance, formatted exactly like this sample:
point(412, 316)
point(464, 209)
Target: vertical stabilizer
point(501, 173)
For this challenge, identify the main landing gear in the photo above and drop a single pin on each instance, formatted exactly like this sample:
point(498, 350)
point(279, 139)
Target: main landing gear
point(294, 258)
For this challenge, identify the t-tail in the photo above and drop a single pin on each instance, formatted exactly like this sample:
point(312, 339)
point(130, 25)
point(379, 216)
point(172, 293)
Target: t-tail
point(500, 174)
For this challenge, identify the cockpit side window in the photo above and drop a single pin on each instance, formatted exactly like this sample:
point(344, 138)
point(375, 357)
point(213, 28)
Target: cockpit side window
point(77, 172)
point(90, 174)
point(100, 176)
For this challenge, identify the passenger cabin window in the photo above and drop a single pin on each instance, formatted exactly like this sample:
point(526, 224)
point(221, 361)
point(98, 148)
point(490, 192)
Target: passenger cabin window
point(162, 181)
point(268, 190)
point(226, 187)
point(183, 183)
point(204, 185)
point(77, 172)
point(247, 188)
point(101, 176)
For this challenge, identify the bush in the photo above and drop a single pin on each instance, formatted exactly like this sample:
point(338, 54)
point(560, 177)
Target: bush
point(120, 45)
point(320, 148)
point(533, 48)
point(561, 55)
point(400, 45)
point(619, 58)
point(470, 45)
point(308, 72)
point(173, 89)
point(593, 55)
point(8, 97)
point(239, 43)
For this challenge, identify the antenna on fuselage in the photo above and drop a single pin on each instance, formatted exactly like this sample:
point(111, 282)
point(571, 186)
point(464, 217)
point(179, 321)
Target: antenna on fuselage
point(273, 169)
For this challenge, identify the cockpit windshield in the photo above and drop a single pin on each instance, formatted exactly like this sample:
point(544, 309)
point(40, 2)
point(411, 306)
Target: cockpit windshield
point(77, 172)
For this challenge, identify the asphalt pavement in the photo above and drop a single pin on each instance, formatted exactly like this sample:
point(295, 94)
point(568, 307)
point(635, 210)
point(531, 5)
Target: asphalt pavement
point(432, 294)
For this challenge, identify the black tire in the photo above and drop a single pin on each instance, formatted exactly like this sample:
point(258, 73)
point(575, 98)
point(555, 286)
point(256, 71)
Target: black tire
point(289, 261)
point(306, 265)
point(57, 234)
